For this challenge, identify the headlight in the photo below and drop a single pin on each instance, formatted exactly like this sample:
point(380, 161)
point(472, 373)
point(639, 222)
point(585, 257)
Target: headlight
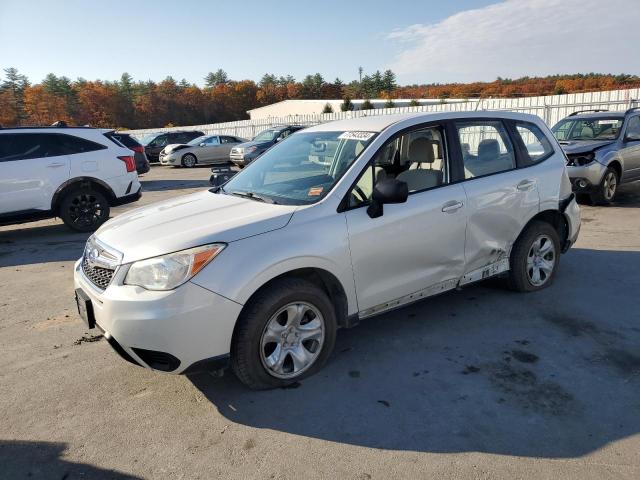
point(167, 272)
point(580, 159)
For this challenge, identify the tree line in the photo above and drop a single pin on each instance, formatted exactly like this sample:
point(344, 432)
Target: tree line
point(126, 103)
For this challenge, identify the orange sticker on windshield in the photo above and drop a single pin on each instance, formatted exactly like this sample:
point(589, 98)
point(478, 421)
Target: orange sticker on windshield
point(315, 191)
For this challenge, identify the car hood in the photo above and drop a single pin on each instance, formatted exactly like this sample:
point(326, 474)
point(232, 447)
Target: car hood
point(189, 221)
point(583, 146)
point(254, 144)
point(175, 146)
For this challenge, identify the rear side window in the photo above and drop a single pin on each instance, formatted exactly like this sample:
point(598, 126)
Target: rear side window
point(486, 148)
point(26, 146)
point(70, 145)
point(536, 144)
point(228, 140)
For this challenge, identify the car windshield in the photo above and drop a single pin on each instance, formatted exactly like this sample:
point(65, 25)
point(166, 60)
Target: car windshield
point(198, 140)
point(601, 128)
point(147, 139)
point(301, 170)
point(266, 136)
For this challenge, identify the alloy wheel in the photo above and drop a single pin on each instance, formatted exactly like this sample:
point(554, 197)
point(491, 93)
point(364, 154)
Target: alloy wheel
point(292, 340)
point(610, 185)
point(85, 210)
point(541, 260)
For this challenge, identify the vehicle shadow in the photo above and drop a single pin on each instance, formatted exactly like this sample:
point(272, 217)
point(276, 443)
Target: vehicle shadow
point(44, 460)
point(179, 184)
point(33, 244)
point(552, 374)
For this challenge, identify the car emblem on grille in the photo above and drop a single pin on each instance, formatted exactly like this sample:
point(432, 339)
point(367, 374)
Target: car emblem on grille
point(93, 256)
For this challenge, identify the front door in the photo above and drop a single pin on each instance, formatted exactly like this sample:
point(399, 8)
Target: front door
point(415, 249)
point(630, 151)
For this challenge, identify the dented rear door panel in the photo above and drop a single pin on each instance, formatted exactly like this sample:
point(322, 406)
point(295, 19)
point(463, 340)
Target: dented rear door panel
point(499, 208)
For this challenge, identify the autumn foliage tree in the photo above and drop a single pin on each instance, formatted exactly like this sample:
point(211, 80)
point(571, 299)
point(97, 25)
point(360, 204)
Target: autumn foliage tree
point(125, 103)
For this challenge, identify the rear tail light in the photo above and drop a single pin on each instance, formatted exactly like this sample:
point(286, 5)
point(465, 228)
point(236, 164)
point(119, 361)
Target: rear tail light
point(138, 149)
point(130, 163)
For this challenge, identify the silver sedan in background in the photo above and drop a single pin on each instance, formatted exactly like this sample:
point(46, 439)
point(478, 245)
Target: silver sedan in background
point(204, 150)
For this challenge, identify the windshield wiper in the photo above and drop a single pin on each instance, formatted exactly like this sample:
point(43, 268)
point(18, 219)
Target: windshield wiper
point(253, 196)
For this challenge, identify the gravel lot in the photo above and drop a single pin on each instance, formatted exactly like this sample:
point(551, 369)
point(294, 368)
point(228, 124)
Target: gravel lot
point(478, 383)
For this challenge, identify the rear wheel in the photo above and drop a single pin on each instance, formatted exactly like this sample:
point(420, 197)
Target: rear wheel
point(189, 160)
point(534, 258)
point(607, 189)
point(84, 210)
point(285, 333)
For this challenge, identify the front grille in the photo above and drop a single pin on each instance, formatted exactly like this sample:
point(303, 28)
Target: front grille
point(99, 276)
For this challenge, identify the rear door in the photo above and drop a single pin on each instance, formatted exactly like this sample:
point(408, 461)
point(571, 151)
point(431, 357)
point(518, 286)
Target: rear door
point(630, 151)
point(226, 144)
point(32, 167)
point(501, 196)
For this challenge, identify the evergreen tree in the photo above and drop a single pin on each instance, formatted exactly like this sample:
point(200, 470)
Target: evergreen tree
point(327, 108)
point(367, 105)
point(346, 105)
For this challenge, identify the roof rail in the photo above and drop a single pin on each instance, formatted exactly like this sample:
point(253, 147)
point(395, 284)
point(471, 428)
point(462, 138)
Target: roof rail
point(631, 110)
point(590, 110)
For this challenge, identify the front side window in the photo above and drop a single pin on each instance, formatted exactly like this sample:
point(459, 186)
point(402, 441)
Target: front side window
point(486, 148)
point(633, 129)
point(301, 170)
point(600, 128)
point(417, 158)
point(212, 141)
point(535, 142)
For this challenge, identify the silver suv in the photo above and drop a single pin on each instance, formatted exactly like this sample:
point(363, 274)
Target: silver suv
point(340, 222)
point(603, 150)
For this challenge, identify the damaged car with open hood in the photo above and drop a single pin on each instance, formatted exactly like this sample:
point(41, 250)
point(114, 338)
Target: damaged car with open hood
point(603, 151)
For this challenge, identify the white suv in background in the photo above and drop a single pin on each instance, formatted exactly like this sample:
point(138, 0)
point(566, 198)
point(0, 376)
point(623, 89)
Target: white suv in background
point(261, 272)
point(75, 173)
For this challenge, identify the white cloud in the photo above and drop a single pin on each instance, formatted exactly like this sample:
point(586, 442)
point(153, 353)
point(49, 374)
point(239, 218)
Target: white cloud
point(515, 38)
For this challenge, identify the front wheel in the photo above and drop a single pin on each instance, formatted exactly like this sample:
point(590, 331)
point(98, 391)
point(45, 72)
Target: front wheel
point(189, 160)
point(285, 333)
point(534, 258)
point(607, 189)
point(84, 210)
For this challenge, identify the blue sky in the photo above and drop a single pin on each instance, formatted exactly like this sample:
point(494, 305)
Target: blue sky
point(423, 41)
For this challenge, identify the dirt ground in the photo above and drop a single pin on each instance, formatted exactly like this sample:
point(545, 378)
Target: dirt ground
point(478, 383)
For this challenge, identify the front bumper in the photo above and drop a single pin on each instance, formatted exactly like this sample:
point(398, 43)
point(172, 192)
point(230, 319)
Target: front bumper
point(586, 178)
point(169, 160)
point(191, 324)
point(242, 160)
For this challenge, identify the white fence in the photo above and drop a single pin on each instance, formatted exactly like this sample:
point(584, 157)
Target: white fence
point(550, 108)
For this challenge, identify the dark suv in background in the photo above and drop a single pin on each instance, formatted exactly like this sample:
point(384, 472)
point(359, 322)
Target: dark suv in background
point(153, 144)
point(142, 162)
point(245, 153)
point(603, 151)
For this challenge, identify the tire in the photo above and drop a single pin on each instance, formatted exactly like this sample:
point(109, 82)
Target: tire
point(189, 160)
point(607, 189)
point(267, 325)
point(84, 209)
point(536, 250)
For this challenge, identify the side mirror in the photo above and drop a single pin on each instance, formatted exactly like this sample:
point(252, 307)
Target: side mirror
point(388, 190)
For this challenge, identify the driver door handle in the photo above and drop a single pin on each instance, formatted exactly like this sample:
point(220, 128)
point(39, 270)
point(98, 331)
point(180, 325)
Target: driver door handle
point(452, 206)
point(56, 164)
point(525, 185)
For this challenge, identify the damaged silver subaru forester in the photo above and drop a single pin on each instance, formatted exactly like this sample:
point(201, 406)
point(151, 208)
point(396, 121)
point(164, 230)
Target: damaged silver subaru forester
point(339, 222)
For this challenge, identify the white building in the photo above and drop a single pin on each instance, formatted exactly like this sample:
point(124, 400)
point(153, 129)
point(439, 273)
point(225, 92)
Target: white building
point(305, 107)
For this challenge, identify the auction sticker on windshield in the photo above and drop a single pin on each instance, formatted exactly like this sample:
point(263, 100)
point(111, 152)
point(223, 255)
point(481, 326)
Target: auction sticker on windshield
point(356, 136)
